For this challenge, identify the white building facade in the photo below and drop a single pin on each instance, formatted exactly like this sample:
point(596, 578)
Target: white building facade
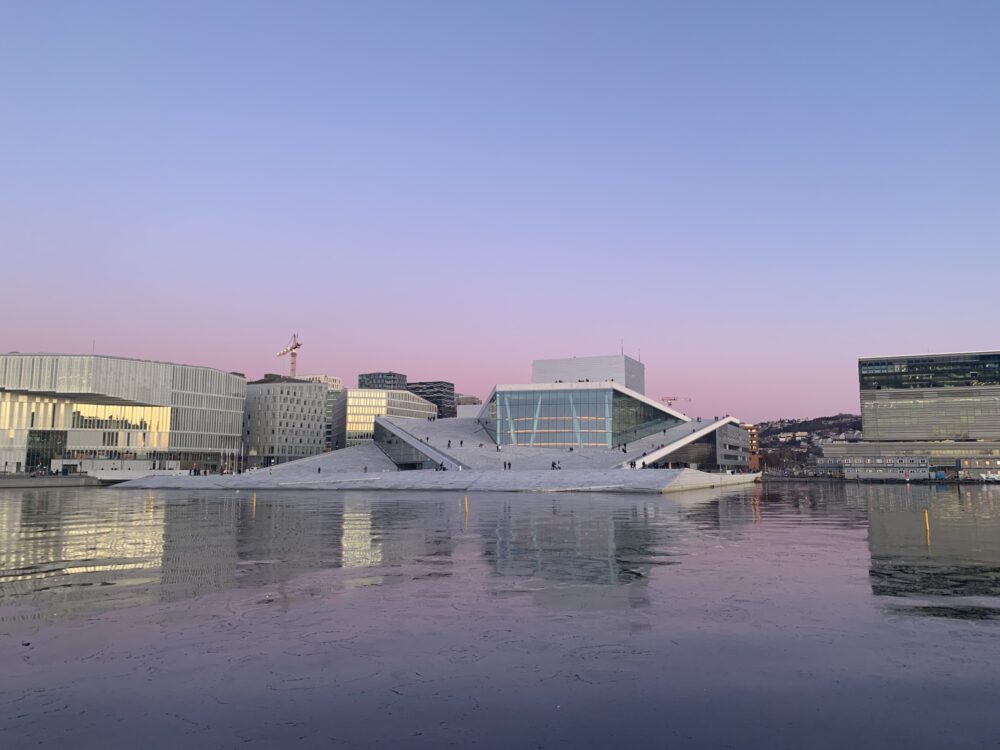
point(616, 367)
point(283, 420)
point(334, 386)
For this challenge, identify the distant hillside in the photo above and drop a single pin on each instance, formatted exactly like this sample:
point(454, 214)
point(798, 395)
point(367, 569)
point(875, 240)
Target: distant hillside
point(788, 443)
point(825, 426)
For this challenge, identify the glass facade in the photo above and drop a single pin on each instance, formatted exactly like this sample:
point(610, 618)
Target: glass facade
point(934, 397)
point(936, 371)
point(403, 454)
point(579, 417)
point(382, 380)
point(440, 393)
point(356, 409)
point(109, 409)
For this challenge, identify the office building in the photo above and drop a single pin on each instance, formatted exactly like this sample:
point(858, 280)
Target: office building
point(97, 414)
point(617, 367)
point(438, 392)
point(355, 411)
point(334, 386)
point(923, 416)
point(388, 381)
point(283, 420)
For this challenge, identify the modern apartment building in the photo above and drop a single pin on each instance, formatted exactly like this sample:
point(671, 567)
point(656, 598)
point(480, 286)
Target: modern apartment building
point(753, 435)
point(924, 415)
point(356, 409)
point(334, 386)
point(283, 420)
point(86, 413)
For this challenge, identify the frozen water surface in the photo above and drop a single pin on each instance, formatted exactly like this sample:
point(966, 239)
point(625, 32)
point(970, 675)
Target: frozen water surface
point(784, 616)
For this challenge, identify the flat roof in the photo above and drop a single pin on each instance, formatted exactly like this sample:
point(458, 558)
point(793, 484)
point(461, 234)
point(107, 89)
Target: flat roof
point(114, 356)
point(927, 356)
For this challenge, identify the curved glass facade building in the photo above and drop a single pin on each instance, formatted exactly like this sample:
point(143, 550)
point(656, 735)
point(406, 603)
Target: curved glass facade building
point(588, 414)
point(94, 413)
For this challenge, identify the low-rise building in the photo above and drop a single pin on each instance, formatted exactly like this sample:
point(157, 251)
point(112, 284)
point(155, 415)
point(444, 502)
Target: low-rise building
point(356, 408)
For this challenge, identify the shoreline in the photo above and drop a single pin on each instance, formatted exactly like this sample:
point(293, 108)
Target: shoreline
point(650, 481)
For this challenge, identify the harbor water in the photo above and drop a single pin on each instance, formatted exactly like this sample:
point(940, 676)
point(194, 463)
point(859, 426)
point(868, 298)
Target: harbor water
point(817, 615)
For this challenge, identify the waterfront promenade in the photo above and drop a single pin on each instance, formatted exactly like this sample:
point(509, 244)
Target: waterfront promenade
point(294, 476)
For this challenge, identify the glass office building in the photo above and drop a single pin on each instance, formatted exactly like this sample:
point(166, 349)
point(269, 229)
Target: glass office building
point(930, 371)
point(602, 414)
point(74, 413)
point(356, 408)
point(931, 415)
point(931, 397)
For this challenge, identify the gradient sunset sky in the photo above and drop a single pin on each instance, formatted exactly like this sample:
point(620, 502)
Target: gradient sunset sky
point(748, 195)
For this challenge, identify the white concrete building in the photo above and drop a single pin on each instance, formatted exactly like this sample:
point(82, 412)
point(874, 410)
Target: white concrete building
point(283, 420)
point(617, 367)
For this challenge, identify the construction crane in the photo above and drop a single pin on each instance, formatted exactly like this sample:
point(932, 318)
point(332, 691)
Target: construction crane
point(291, 350)
point(669, 400)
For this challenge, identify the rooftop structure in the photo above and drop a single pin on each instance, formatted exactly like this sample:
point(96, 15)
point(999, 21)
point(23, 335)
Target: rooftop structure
point(617, 367)
point(440, 393)
point(392, 381)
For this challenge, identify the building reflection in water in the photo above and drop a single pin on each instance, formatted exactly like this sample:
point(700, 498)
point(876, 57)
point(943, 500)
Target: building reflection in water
point(69, 552)
point(56, 549)
point(938, 541)
point(572, 553)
